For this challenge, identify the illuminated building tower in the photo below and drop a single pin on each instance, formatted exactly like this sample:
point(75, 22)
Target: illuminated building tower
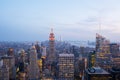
point(103, 52)
point(33, 66)
point(102, 44)
point(4, 72)
point(66, 66)
point(51, 55)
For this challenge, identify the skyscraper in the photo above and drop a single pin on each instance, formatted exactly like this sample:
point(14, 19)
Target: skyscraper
point(66, 66)
point(10, 63)
point(51, 55)
point(33, 66)
point(22, 73)
point(103, 52)
point(4, 72)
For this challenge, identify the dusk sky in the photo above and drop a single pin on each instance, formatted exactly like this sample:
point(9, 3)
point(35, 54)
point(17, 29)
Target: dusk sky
point(31, 20)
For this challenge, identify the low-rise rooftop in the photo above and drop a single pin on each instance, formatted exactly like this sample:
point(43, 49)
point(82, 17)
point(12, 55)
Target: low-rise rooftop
point(96, 70)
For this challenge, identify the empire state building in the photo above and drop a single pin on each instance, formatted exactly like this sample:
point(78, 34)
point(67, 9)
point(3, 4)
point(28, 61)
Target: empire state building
point(51, 56)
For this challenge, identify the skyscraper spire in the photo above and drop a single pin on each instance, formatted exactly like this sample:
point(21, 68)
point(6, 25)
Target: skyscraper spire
point(100, 25)
point(51, 37)
point(51, 30)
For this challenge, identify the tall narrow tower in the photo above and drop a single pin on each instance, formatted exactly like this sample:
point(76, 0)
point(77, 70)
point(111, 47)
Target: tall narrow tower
point(51, 56)
point(33, 67)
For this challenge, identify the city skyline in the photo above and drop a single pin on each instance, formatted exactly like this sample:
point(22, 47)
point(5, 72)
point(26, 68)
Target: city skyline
point(72, 20)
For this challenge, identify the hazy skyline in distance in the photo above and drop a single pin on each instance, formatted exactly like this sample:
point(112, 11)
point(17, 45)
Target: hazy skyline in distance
point(31, 20)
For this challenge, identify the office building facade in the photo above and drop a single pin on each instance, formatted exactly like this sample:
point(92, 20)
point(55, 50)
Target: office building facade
point(66, 66)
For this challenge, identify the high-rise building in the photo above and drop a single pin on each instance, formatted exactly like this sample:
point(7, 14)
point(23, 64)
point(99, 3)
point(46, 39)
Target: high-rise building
point(51, 55)
point(79, 67)
point(9, 61)
point(4, 72)
point(97, 73)
point(102, 44)
point(103, 55)
point(22, 74)
point(12, 68)
point(33, 66)
point(66, 66)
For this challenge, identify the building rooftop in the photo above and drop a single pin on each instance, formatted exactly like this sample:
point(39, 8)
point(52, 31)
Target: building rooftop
point(66, 54)
point(96, 70)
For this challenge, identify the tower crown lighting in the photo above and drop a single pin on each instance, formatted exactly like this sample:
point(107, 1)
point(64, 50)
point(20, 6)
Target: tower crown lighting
point(51, 37)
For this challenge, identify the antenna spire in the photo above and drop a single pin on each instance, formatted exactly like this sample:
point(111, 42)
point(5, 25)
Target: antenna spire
point(99, 23)
point(51, 30)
